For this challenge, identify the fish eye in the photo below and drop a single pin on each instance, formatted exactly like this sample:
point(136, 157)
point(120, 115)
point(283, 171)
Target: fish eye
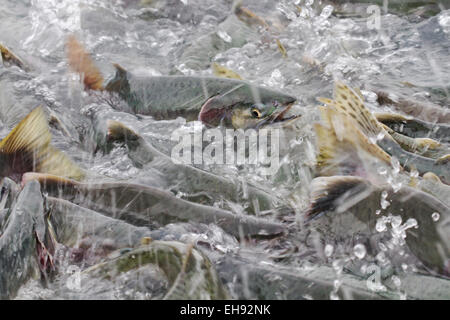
point(255, 112)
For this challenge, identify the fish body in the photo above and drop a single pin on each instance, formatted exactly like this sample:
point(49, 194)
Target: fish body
point(189, 272)
point(415, 128)
point(212, 100)
point(143, 205)
point(109, 247)
point(188, 179)
point(317, 283)
point(427, 112)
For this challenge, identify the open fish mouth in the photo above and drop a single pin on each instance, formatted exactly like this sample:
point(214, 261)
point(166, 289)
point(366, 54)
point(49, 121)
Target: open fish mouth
point(279, 117)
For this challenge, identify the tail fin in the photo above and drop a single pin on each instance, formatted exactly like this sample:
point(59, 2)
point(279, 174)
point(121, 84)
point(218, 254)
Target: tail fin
point(81, 62)
point(342, 148)
point(27, 148)
point(349, 102)
point(337, 193)
point(57, 163)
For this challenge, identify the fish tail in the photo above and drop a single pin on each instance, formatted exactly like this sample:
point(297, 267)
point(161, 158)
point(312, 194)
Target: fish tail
point(350, 103)
point(81, 62)
point(27, 148)
point(57, 163)
point(341, 144)
point(329, 194)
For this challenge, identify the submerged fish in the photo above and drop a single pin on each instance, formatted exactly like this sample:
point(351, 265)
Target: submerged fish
point(144, 205)
point(423, 146)
point(415, 128)
point(348, 200)
point(426, 112)
point(187, 178)
point(189, 272)
point(214, 101)
point(109, 248)
point(254, 280)
point(417, 9)
point(242, 26)
point(27, 148)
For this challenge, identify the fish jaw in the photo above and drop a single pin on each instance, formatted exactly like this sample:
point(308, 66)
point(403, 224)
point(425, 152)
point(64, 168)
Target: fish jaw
point(279, 117)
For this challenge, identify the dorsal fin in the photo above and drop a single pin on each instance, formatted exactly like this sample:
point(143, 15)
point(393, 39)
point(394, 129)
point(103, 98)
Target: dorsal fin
point(120, 82)
point(81, 62)
point(335, 193)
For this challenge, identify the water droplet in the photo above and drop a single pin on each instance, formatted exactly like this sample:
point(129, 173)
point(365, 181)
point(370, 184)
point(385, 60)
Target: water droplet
point(414, 173)
point(381, 225)
point(328, 250)
point(396, 221)
point(410, 223)
point(334, 296)
point(395, 165)
point(384, 203)
point(377, 212)
point(224, 36)
point(396, 280)
point(380, 136)
point(276, 79)
point(337, 266)
point(337, 283)
point(382, 170)
point(381, 257)
point(364, 268)
point(327, 11)
point(435, 216)
point(359, 250)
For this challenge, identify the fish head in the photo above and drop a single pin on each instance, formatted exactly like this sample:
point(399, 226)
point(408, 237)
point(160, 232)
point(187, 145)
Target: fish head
point(246, 113)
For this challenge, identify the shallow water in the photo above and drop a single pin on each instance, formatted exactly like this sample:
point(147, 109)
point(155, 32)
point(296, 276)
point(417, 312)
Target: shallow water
point(408, 56)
